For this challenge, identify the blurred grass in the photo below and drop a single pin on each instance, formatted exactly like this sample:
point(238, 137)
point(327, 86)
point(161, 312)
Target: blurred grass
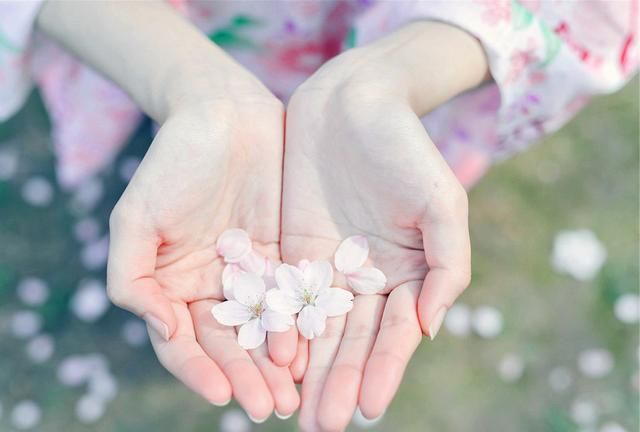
point(585, 176)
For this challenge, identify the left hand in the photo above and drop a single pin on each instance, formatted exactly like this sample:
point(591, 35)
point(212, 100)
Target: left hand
point(358, 161)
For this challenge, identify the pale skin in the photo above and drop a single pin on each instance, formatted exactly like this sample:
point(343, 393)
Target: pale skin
point(357, 161)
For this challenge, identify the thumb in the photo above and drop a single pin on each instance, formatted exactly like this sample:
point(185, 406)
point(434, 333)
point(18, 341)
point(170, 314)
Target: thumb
point(130, 270)
point(440, 289)
point(448, 255)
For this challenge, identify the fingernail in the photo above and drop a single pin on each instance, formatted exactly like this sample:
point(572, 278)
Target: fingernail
point(222, 404)
point(434, 327)
point(282, 417)
point(255, 420)
point(156, 324)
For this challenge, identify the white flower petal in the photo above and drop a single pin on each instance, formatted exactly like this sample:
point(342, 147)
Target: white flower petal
point(233, 244)
point(229, 275)
point(275, 321)
point(289, 278)
point(253, 262)
point(251, 335)
point(283, 302)
point(231, 313)
point(311, 321)
point(303, 263)
point(335, 301)
point(248, 289)
point(319, 275)
point(366, 280)
point(352, 253)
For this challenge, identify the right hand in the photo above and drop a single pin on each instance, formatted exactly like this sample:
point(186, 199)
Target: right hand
point(212, 166)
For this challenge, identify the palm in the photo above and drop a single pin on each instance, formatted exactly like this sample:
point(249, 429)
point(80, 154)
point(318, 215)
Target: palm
point(353, 177)
point(207, 171)
point(370, 169)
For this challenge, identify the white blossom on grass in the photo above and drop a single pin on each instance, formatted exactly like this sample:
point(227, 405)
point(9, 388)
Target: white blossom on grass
point(33, 291)
point(26, 415)
point(40, 348)
point(578, 253)
point(595, 363)
point(90, 409)
point(94, 254)
point(89, 303)
point(458, 320)
point(627, 308)
point(8, 163)
point(584, 412)
point(612, 427)
point(234, 420)
point(560, 379)
point(37, 191)
point(511, 368)
point(487, 322)
point(25, 324)
point(87, 196)
point(134, 332)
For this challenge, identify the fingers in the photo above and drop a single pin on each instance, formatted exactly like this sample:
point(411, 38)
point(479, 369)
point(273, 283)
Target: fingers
point(448, 253)
point(185, 359)
point(280, 383)
point(322, 352)
point(130, 282)
point(397, 339)
point(299, 364)
point(220, 344)
point(341, 390)
point(283, 346)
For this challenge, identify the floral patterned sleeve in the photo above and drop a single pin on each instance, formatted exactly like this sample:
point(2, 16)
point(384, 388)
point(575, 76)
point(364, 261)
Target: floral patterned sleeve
point(546, 59)
point(16, 23)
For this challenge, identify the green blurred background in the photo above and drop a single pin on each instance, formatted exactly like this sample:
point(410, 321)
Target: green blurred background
point(529, 348)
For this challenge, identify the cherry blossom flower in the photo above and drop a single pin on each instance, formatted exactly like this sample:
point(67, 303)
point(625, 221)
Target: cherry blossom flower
point(249, 310)
point(349, 260)
point(308, 293)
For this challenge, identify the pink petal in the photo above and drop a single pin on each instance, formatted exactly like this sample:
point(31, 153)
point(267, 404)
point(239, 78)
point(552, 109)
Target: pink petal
point(275, 321)
point(233, 245)
point(253, 262)
point(318, 274)
point(366, 280)
point(311, 321)
point(352, 253)
point(248, 289)
point(251, 335)
point(303, 263)
point(335, 301)
point(289, 278)
point(231, 313)
point(283, 302)
point(229, 275)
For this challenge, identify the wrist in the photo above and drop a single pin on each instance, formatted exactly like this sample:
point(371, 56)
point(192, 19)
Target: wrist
point(432, 62)
point(191, 82)
point(422, 65)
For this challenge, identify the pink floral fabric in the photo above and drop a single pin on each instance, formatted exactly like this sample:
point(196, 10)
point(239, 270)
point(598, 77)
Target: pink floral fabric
point(546, 59)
